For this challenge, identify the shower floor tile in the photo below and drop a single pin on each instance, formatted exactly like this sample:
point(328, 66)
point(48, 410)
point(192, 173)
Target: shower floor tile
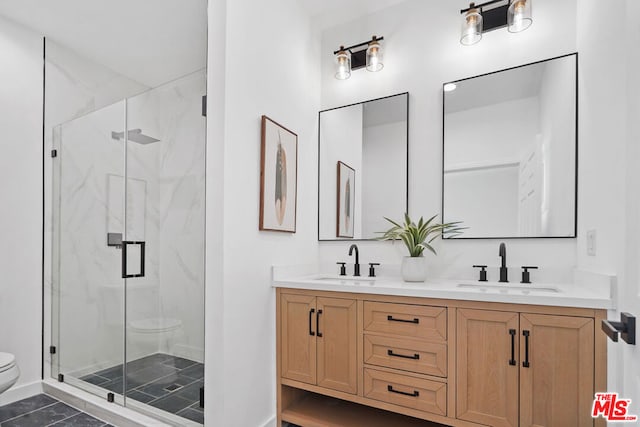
point(163, 381)
point(42, 410)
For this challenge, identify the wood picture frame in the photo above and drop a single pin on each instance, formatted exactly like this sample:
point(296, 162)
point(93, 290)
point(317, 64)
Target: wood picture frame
point(345, 205)
point(278, 177)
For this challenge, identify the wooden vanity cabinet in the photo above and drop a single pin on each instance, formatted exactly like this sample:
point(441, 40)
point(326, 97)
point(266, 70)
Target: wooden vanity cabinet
point(487, 387)
point(355, 359)
point(521, 369)
point(557, 387)
point(318, 344)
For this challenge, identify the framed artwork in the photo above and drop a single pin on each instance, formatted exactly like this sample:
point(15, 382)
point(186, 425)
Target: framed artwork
point(278, 177)
point(346, 200)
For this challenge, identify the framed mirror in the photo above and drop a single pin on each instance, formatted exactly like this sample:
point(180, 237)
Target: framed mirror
point(510, 151)
point(362, 167)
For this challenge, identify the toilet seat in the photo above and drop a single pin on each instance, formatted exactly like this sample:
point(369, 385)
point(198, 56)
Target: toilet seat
point(7, 361)
point(155, 325)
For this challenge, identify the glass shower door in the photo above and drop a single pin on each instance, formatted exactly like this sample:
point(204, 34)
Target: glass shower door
point(165, 209)
point(88, 288)
point(128, 251)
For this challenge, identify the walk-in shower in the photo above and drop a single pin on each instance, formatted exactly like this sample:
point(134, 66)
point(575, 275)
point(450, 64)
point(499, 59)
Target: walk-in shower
point(127, 247)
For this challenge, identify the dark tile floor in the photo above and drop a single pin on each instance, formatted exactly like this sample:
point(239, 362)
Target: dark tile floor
point(42, 410)
point(167, 382)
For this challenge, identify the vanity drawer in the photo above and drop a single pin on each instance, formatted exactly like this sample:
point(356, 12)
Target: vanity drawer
point(406, 354)
point(416, 393)
point(406, 320)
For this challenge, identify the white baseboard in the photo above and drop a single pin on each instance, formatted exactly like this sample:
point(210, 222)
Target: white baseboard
point(270, 423)
point(20, 392)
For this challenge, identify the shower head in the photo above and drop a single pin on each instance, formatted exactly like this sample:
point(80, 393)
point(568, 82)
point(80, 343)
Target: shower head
point(134, 135)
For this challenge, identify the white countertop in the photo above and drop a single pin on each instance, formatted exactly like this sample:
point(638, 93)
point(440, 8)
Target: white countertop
point(590, 290)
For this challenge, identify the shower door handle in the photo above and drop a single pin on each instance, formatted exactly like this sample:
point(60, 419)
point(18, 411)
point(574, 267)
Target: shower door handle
point(125, 244)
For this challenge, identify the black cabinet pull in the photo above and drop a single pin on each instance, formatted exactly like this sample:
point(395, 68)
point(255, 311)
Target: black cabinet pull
point(318, 323)
point(392, 319)
point(313, 310)
point(416, 356)
point(415, 393)
point(513, 362)
point(526, 349)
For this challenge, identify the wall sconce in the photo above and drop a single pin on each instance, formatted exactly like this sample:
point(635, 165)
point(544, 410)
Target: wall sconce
point(478, 19)
point(358, 56)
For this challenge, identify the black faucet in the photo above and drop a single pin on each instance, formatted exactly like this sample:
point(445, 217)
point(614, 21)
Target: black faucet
point(502, 253)
point(356, 266)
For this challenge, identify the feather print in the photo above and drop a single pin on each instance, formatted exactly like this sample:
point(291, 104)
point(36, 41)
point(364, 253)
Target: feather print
point(281, 182)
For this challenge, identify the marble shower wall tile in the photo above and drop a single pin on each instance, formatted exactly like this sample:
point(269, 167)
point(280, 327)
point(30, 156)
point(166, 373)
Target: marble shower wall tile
point(76, 86)
point(172, 113)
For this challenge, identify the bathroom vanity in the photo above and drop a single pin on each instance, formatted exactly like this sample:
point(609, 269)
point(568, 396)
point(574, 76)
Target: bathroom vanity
point(354, 352)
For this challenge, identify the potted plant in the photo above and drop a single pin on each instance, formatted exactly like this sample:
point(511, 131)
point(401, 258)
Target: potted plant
point(417, 238)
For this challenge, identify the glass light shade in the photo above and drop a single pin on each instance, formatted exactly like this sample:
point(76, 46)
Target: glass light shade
point(374, 56)
point(343, 65)
point(471, 27)
point(519, 16)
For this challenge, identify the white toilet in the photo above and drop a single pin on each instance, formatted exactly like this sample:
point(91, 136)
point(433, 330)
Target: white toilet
point(147, 331)
point(9, 372)
point(151, 335)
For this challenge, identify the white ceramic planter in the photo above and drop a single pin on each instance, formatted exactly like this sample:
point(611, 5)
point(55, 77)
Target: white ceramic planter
point(414, 269)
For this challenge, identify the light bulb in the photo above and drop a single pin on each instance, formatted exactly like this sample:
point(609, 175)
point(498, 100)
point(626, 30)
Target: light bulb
point(519, 16)
point(374, 55)
point(343, 64)
point(471, 32)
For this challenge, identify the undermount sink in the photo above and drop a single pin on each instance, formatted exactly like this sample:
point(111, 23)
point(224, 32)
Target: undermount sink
point(509, 288)
point(345, 279)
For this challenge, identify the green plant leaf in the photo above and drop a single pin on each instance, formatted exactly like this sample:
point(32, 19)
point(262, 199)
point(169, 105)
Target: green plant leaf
point(418, 237)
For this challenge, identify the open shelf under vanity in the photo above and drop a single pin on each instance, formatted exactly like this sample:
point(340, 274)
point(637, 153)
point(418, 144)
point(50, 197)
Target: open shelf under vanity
point(316, 410)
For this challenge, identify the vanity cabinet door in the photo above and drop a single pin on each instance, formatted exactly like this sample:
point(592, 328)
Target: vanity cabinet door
point(298, 337)
point(557, 384)
point(487, 375)
point(336, 340)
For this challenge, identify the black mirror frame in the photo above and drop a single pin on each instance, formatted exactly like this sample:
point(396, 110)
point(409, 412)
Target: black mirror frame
point(575, 217)
point(407, 160)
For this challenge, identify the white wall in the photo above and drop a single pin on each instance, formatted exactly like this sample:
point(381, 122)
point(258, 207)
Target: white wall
point(603, 166)
point(557, 118)
point(479, 190)
point(21, 197)
point(418, 59)
point(630, 292)
point(214, 381)
point(241, 304)
point(491, 134)
point(485, 199)
point(382, 158)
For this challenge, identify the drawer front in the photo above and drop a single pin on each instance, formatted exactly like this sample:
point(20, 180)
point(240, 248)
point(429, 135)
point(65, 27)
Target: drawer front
point(420, 394)
point(406, 354)
point(413, 321)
